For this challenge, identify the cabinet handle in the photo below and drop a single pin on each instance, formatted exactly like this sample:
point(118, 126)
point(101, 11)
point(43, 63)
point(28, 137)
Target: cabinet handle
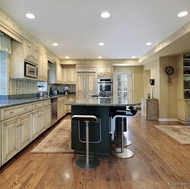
point(11, 112)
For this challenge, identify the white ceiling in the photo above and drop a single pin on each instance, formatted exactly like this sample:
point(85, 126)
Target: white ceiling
point(76, 25)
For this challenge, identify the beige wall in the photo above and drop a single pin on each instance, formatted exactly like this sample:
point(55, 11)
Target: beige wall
point(165, 89)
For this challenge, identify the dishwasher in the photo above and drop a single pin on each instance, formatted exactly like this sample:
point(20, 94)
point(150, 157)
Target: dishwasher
point(53, 110)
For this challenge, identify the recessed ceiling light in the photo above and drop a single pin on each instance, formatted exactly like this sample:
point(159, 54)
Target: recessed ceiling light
point(105, 15)
point(30, 16)
point(67, 57)
point(148, 43)
point(133, 57)
point(182, 14)
point(101, 44)
point(100, 57)
point(55, 44)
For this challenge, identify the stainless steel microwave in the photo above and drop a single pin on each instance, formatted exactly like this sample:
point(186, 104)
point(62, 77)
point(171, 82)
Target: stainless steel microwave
point(30, 70)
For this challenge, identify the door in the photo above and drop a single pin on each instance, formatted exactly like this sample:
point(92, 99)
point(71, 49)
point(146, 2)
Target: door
point(123, 85)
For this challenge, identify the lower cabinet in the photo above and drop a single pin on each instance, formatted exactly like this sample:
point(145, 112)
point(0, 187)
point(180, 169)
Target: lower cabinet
point(70, 98)
point(61, 107)
point(20, 125)
point(41, 118)
point(183, 111)
point(16, 134)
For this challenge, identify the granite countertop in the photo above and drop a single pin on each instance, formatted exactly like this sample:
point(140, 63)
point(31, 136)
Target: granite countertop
point(102, 102)
point(14, 102)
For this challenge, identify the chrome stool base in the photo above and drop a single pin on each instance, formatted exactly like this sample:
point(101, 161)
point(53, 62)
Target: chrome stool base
point(125, 154)
point(92, 164)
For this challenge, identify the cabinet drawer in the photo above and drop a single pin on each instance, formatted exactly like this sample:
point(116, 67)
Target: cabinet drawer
point(61, 98)
point(7, 113)
point(40, 104)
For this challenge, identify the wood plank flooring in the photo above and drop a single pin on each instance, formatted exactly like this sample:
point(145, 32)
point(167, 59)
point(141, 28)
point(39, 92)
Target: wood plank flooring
point(159, 162)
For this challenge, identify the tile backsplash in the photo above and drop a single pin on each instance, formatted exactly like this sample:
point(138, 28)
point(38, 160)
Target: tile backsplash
point(22, 86)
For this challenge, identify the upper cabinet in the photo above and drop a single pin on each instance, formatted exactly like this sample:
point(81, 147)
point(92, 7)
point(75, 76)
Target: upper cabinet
point(42, 67)
point(69, 74)
point(55, 73)
point(186, 75)
point(104, 69)
point(31, 53)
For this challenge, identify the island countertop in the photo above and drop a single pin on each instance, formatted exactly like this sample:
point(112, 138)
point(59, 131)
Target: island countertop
point(102, 102)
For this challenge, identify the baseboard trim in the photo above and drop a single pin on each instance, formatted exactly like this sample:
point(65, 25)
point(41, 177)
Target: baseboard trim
point(168, 119)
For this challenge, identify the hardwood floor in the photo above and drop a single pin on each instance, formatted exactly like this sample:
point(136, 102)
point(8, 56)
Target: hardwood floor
point(159, 162)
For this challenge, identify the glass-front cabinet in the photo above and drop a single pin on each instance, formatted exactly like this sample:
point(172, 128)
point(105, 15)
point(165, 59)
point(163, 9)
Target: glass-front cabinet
point(186, 75)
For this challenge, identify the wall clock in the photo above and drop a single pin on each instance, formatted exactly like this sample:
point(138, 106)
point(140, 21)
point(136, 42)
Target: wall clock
point(169, 70)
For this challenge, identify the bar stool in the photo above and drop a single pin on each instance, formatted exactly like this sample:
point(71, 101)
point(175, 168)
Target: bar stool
point(87, 163)
point(123, 114)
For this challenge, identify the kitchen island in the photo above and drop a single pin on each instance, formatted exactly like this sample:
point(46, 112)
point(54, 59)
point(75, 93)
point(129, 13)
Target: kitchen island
point(99, 133)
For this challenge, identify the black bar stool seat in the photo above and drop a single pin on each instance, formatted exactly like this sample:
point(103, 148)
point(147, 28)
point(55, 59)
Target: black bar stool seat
point(87, 163)
point(123, 114)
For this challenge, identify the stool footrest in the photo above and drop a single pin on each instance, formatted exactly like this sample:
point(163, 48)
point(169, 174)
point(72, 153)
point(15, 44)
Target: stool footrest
point(125, 154)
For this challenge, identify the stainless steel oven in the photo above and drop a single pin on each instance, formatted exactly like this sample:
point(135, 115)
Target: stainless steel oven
point(105, 86)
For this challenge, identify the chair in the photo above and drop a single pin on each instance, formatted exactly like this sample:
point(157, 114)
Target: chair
point(123, 114)
point(87, 163)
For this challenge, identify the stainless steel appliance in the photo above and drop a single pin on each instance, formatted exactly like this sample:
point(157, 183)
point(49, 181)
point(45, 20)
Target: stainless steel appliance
point(105, 86)
point(54, 110)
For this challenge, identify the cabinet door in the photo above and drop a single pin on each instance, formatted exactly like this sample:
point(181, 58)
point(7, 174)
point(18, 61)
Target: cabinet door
point(103, 69)
point(43, 119)
point(80, 83)
point(48, 116)
point(42, 67)
point(25, 130)
point(59, 74)
point(91, 83)
point(35, 124)
point(69, 99)
point(10, 136)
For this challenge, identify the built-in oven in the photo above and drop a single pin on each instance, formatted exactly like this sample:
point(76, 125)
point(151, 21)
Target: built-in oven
point(105, 86)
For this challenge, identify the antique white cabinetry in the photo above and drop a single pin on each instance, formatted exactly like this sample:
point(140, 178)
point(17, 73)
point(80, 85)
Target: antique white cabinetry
point(21, 52)
point(61, 107)
point(183, 111)
point(70, 98)
point(41, 117)
point(31, 53)
point(16, 130)
point(183, 88)
point(104, 69)
point(69, 74)
point(42, 67)
point(59, 74)
point(149, 109)
point(86, 85)
point(55, 73)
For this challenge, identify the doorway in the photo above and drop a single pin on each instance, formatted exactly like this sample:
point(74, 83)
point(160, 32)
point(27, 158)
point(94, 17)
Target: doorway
point(123, 85)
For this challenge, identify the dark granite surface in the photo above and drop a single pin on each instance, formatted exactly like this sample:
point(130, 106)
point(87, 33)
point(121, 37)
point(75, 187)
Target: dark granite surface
point(102, 102)
point(13, 102)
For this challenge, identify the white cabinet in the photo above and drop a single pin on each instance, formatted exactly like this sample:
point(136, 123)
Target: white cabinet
point(41, 117)
point(104, 69)
point(42, 67)
point(86, 84)
point(55, 73)
point(61, 107)
point(59, 74)
point(69, 73)
point(16, 134)
point(31, 53)
point(70, 98)
point(183, 111)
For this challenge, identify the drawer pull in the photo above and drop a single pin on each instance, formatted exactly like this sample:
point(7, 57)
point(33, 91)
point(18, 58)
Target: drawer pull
point(11, 112)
